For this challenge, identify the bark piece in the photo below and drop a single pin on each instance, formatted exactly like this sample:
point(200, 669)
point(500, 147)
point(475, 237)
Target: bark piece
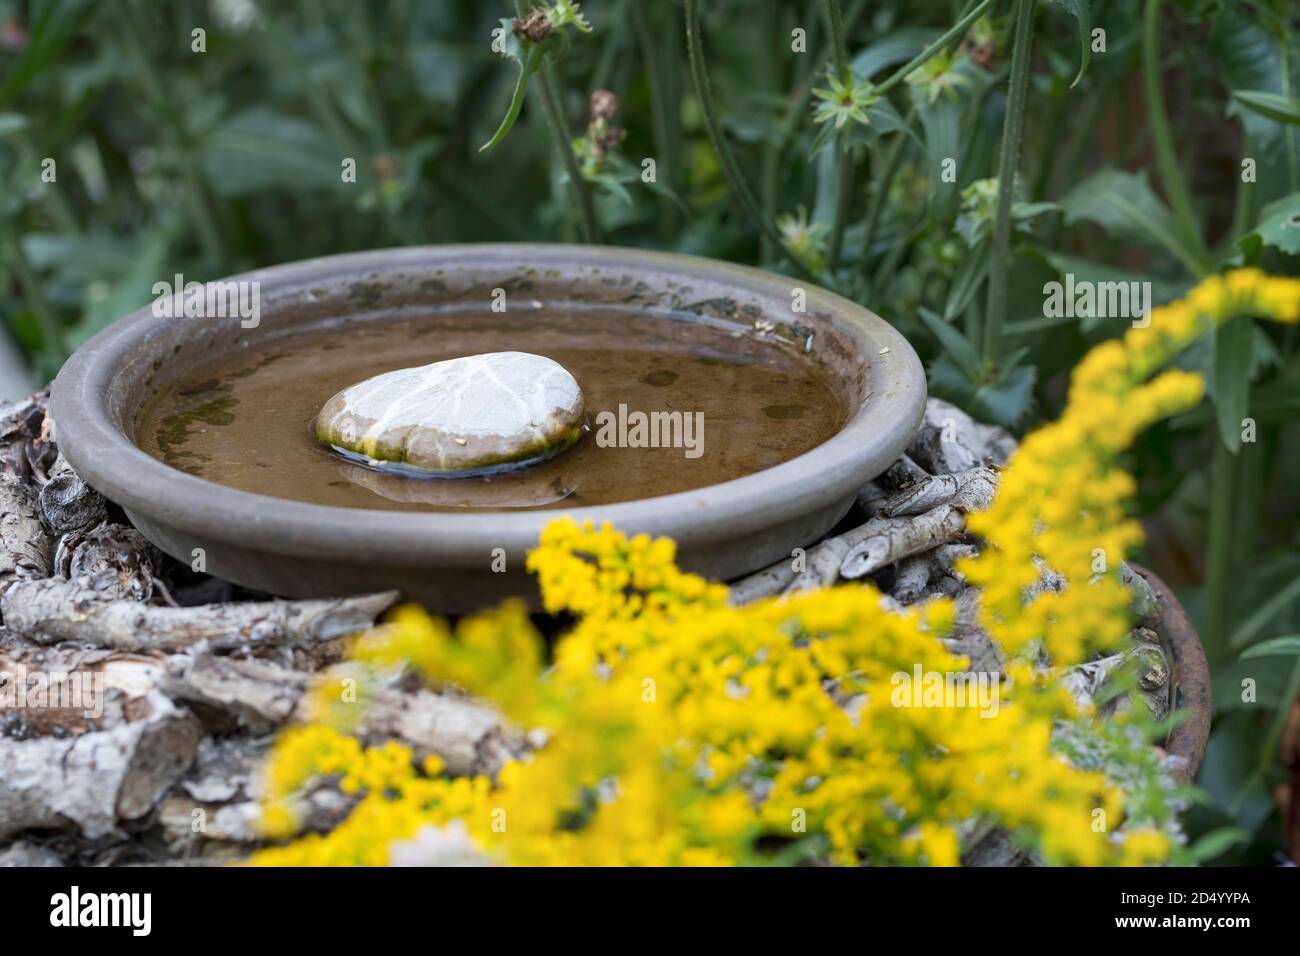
point(969, 639)
point(761, 584)
point(69, 504)
point(902, 473)
point(883, 541)
point(25, 548)
point(83, 689)
point(51, 610)
point(950, 441)
point(26, 439)
point(95, 781)
point(26, 854)
point(970, 490)
point(909, 584)
point(930, 573)
point(469, 737)
point(870, 497)
point(113, 559)
point(1145, 603)
point(1087, 682)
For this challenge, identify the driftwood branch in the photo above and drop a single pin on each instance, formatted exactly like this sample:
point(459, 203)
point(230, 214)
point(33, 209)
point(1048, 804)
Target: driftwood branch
point(52, 610)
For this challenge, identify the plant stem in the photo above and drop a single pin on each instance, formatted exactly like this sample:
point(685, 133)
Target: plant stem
point(726, 159)
point(1008, 158)
point(893, 161)
point(1166, 161)
point(840, 59)
point(547, 85)
point(796, 106)
point(956, 30)
point(662, 113)
point(1218, 560)
point(1284, 62)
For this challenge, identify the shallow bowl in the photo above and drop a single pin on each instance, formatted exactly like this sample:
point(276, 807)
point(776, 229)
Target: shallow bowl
point(446, 560)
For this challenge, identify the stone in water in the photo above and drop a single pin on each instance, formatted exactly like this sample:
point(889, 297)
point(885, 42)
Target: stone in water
point(472, 415)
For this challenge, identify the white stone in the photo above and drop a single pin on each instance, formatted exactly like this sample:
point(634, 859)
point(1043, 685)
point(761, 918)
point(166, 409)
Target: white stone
point(472, 414)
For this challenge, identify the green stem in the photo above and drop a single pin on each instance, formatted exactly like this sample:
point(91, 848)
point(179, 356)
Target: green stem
point(839, 47)
point(1218, 560)
point(1284, 62)
point(661, 106)
point(587, 224)
point(1008, 157)
point(956, 30)
point(1166, 161)
point(726, 159)
point(893, 162)
point(840, 59)
point(796, 106)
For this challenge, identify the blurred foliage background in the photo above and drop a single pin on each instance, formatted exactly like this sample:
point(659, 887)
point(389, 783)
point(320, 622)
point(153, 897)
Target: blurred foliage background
point(1162, 149)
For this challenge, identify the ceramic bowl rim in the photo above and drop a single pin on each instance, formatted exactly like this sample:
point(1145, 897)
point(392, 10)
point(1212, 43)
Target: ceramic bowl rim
point(104, 454)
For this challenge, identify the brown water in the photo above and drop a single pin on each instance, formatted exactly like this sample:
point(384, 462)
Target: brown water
point(247, 423)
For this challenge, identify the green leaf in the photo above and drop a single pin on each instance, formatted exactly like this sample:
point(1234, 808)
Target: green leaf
point(1079, 10)
point(970, 276)
point(1244, 634)
point(941, 123)
point(894, 49)
point(530, 61)
point(1287, 645)
point(130, 290)
point(1279, 226)
point(959, 375)
point(262, 148)
point(1217, 842)
point(1274, 106)
point(1007, 400)
point(1233, 355)
point(1127, 208)
point(954, 344)
point(59, 24)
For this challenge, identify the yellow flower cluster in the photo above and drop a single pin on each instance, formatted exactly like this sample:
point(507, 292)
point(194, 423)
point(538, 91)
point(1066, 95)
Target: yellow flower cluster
point(684, 731)
point(1062, 502)
point(602, 573)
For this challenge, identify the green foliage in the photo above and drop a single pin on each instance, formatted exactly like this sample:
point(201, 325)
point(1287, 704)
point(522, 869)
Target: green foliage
point(879, 181)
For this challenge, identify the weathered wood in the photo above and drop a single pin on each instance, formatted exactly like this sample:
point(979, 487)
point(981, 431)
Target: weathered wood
point(95, 781)
point(52, 610)
point(25, 548)
point(469, 737)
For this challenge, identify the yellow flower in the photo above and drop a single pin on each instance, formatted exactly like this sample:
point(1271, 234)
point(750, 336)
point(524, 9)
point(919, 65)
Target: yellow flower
point(683, 731)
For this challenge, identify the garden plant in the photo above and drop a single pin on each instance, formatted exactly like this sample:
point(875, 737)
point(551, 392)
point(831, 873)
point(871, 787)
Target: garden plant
point(1084, 216)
